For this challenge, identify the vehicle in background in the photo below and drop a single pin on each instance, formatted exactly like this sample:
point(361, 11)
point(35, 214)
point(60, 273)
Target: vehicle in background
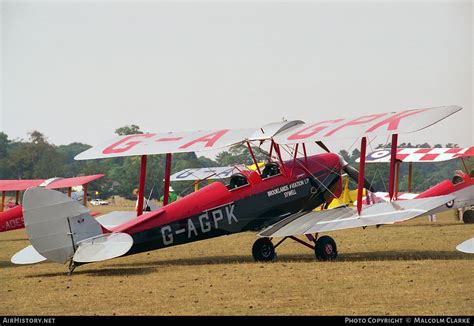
point(98, 202)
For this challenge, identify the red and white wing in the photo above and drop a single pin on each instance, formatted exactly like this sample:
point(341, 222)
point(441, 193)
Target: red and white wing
point(162, 143)
point(346, 218)
point(427, 155)
point(381, 124)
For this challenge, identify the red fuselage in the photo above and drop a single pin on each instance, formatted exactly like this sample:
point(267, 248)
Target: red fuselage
point(216, 210)
point(462, 186)
point(12, 219)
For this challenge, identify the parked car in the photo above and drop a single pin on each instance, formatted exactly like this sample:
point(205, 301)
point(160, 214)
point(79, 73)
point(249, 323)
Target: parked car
point(97, 202)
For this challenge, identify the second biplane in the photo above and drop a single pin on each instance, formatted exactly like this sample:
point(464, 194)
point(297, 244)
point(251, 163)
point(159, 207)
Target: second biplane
point(12, 219)
point(461, 185)
point(278, 199)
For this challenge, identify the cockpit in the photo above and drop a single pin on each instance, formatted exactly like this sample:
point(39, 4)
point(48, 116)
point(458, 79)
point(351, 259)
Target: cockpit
point(237, 180)
point(459, 177)
point(241, 179)
point(271, 169)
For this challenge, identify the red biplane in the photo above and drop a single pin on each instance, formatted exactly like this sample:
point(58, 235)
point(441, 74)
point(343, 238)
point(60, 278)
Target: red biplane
point(12, 219)
point(461, 185)
point(277, 200)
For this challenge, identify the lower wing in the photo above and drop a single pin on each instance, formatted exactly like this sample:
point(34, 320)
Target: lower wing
point(346, 218)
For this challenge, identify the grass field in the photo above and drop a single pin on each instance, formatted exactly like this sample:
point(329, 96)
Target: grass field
point(407, 269)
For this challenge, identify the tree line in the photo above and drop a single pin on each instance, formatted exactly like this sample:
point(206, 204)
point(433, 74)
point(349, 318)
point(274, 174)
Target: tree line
point(36, 158)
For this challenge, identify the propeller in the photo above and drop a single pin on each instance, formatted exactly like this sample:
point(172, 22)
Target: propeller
point(351, 171)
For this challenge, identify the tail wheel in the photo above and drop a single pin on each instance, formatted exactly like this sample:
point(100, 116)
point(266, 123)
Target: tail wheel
point(263, 250)
point(325, 248)
point(468, 217)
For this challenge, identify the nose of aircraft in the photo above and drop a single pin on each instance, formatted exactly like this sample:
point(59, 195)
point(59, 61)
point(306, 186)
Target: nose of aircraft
point(353, 173)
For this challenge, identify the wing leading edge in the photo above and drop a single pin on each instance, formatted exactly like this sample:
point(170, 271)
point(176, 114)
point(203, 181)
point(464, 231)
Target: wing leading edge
point(346, 218)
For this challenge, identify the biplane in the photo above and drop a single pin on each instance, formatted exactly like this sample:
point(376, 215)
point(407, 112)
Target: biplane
point(12, 219)
point(276, 200)
point(461, 185)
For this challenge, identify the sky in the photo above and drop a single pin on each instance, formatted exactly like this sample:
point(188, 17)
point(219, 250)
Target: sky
point(78, 70)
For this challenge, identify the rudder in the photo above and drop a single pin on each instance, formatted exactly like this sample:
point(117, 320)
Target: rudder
point(55, 223)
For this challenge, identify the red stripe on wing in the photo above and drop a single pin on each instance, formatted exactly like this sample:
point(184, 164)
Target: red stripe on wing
point(429, 157)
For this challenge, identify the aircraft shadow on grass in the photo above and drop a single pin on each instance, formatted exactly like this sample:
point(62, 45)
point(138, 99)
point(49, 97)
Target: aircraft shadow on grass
point(154, 266)
point(289, 258)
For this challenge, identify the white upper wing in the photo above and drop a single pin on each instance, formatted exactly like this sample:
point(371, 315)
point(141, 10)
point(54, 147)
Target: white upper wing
point(381, 124)
point(286, 132)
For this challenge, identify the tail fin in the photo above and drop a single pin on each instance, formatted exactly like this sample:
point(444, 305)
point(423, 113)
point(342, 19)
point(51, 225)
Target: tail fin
point(56, 223)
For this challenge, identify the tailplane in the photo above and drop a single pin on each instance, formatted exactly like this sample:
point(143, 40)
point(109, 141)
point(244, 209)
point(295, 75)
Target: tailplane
point(59, 227)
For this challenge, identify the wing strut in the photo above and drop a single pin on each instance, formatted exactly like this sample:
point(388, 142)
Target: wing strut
point(393, 161)
point(85, 188)
point(277, 150)
point(166, 186)
point(141, 187)
point(253, 157)
point(410, 173)
point(270, 153)
point(305, 155)
point(360, 183)
point(464, 164)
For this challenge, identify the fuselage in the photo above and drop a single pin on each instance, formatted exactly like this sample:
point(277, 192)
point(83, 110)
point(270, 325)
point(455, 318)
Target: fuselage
point(12, 219)
point(462, 186)
point(216, 210)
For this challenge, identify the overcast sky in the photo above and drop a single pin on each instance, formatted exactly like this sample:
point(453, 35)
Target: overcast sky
point(78, 70)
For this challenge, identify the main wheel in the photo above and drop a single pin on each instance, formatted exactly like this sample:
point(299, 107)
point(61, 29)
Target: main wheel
point(325, 248)
point(468, 216)
point(263, 250)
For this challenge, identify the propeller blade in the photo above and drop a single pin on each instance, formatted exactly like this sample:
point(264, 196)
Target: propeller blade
point(354, 175)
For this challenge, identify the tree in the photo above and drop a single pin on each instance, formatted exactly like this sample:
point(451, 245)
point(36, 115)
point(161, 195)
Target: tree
point(73, 167)
point(35, 159)
point(4, 144)
point(128, 130)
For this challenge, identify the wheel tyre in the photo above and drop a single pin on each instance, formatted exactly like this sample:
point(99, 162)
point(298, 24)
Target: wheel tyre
point(263, 250)
point(325, 248)
point(468, 217)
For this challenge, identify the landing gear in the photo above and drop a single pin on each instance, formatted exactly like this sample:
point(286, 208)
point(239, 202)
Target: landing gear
point(325, 248)
point(468, 216)
point(72, 266)
point(263, 250)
